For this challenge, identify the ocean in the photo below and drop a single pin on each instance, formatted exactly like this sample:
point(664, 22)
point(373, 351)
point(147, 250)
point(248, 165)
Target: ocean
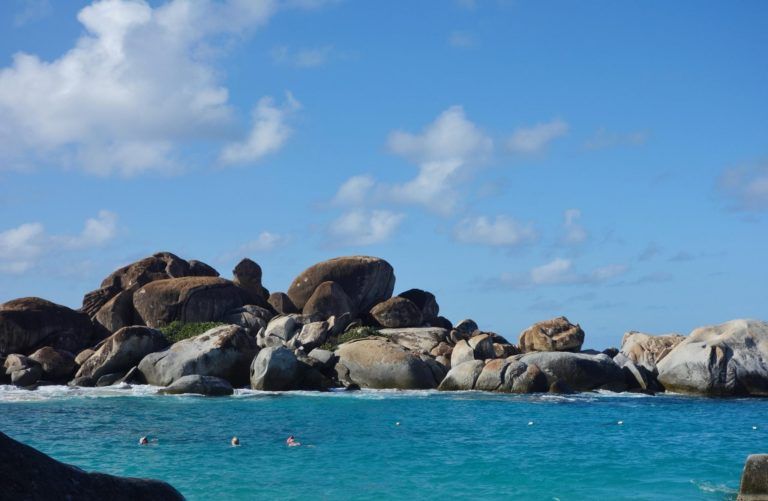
point(466, 445)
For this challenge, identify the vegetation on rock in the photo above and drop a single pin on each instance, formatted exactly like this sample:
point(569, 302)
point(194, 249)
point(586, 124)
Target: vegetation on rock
point(176, 330)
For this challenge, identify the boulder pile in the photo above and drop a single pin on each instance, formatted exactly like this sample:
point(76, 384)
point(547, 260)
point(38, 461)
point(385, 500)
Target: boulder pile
point(338, 324)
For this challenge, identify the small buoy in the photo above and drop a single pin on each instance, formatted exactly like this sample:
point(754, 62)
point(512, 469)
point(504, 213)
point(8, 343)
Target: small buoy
point(530, 423)
point(754, 427)
point(397, 423)
point(620, 423)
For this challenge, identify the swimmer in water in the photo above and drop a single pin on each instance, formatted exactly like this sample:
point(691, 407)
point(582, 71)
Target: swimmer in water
point(235, 442)
point(291, 442)
point(143, 441)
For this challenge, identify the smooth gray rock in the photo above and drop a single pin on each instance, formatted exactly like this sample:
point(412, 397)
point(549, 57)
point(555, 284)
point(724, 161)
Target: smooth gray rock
point(282, 329)
point(726, 359)
point(380, 363)
point(462, 377)
point(580, 371)
point(210, 386)
point(122, 350)
point(225, 351)
point(110, 379)
point(28, 474)
point(420, 339)
point(326, 357)
point(312, 335)
point(83, 356)
point(461, 353)
point(275, 369)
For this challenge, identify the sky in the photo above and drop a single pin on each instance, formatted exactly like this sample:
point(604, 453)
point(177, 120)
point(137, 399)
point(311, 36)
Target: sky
point(602, 160)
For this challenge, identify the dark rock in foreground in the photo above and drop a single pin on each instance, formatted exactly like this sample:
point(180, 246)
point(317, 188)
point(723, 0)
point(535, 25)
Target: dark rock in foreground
point(754, 479)
point(26, 473)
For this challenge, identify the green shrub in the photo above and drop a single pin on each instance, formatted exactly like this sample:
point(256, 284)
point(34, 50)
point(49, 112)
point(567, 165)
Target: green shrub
point(176, 330)
point(350, 335)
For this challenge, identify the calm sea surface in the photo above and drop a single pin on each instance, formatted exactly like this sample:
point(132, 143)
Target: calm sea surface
point(448, 445)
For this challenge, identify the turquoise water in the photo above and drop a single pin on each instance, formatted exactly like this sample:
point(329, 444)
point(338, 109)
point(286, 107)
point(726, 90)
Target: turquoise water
point(468, 445)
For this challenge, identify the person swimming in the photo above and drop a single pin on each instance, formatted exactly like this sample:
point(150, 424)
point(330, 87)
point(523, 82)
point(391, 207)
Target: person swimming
point(235, 442)
point(143, 441)
point(291, 442)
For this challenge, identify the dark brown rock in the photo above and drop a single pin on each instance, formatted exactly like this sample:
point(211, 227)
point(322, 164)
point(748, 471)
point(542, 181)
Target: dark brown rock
point(367, 281)
point(57, 365)
point(118, 312)
point(30, 323)
point(282, 303)
point(425, 301)
point(247, 275)
point(754, 479)
point(200, 269)
point(188, 299)
point(328, 300)
point(26, 473)
point(397, 312)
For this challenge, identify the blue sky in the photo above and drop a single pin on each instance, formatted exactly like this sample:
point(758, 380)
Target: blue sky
point(607, 161)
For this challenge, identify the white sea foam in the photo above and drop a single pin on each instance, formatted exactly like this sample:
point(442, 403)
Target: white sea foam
point(717, 488)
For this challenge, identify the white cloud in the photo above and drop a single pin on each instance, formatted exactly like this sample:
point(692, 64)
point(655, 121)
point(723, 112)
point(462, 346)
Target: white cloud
point(537, 137)
point(444, 151)
point(266, 241)
point(746, 187)
point(310, 57)
point(502, 231)
point(360, 227)
point(604, 138)
point(268, 134)
point(561, 271)
point(355, 191)
point(461, 40)
point(574, 233)
point(21, 248)
point(137, 84)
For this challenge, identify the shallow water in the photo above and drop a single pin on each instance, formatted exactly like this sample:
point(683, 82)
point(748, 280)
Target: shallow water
point(466, 444)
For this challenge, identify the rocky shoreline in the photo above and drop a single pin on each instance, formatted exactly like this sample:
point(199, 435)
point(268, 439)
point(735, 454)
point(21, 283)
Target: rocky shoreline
point(339, 325)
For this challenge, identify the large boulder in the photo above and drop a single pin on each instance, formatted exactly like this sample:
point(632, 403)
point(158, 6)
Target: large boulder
point(462, 376)
point(225, 351)
point(328, 300)
point(159, 266)
point(30, 323)
point(210, 386)
point(580, 371)
point(247, 275)
point(118, 312)
point(57, 365)
point(725, 359)
point(425, 301)
point(380, 363)
point(645, 350)
point(419, 339)
point(26, 473)
point(499, 375)
point(188, 299)
point(249, 317)
point(366, 280)
point(121, 351)
point(311, 335)
point(557, 334)
point(397, 312)
point(275, 369)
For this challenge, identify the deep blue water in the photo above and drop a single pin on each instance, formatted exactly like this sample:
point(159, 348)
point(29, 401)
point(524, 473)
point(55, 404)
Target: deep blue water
point(448, 445)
